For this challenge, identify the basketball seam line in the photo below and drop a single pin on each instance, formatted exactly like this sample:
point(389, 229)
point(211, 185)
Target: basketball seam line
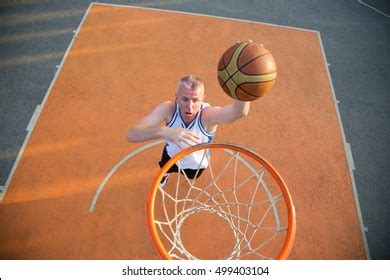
point(253, 59)
point(225, 66)
point(224, 62)
point(239, 86)
point(238, 69)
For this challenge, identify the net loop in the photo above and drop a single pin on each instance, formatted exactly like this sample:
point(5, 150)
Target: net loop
point(246, 216)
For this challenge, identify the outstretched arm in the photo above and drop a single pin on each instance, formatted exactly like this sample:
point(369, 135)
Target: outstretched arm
point(150, 128)
point(227, 114)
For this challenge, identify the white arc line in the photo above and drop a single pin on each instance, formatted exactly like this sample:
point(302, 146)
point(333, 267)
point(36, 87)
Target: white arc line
point(115, 168)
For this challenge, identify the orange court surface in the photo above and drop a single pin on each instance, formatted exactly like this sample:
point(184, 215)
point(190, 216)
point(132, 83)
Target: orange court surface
point(122, 63)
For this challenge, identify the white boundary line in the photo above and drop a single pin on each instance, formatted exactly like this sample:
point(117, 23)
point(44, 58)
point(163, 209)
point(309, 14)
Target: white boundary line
point(376, 10)
point(34, 118)
point(203, 15)
point(348, 152)
point(349, 156)
point(38, 111)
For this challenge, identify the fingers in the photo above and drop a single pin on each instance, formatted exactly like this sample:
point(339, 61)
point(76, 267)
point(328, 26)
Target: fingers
point(186, 138)
point(184, 144)
point(191, 137)
point(182, 137)
point(247, 41)
point(181, 145)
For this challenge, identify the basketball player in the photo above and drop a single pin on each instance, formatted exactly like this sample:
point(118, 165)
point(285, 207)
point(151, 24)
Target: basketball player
point(188, 121)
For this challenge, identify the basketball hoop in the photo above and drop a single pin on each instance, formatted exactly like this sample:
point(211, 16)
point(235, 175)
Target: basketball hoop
point(240, 208)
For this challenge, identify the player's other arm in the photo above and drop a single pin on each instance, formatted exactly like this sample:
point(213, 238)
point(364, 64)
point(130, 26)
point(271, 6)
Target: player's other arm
point(150, 127)
point(227, 114)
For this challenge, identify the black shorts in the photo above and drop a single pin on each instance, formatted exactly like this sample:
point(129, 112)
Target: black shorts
point(174, 168)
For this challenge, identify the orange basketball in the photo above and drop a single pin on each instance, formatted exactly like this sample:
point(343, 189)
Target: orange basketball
point(247, 71)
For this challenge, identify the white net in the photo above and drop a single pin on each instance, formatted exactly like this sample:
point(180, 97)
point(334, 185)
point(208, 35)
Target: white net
point(234, 210)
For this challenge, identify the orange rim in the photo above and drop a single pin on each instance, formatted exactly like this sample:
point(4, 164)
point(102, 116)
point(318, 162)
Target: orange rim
point(289, 240)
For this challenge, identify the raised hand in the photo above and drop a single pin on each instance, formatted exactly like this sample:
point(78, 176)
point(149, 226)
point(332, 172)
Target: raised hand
point(180, 137)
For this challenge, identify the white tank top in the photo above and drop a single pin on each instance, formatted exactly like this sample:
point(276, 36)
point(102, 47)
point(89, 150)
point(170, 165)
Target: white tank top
point(198, 159)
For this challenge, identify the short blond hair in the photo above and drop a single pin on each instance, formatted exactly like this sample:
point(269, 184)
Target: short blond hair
point(191, 82)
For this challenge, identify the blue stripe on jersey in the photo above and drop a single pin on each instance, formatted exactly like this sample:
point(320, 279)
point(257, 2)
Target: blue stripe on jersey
point(202, 106)
point(210, 136)
point(191, 124)
point(174, 117)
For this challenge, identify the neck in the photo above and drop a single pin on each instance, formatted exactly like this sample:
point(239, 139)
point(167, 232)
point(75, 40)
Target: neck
point(185, 118)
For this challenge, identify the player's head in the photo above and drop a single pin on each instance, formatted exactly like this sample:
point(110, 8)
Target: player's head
point(189, 96)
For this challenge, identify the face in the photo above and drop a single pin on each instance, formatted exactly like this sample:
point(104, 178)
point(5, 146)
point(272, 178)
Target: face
point(189, 102)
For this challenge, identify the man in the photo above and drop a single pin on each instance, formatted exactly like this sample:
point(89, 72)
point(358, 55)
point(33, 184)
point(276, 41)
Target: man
point(188, 121)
